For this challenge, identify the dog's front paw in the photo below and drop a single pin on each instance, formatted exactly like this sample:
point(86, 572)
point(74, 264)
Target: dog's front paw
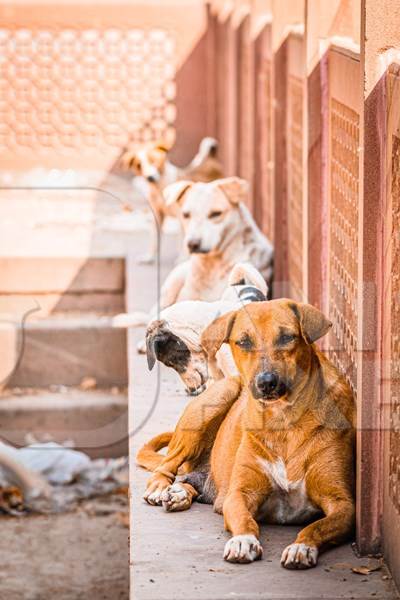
point(141, 347)
point(299, 556)
point(153, 497)
point(145, 259)
point(157, 484)
point(176, 498)
point(243, 549)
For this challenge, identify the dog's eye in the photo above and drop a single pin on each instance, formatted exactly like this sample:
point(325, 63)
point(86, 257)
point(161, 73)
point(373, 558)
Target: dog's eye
point(215, 214)
point(245, 343)
point(186, 215)
point(286, 338)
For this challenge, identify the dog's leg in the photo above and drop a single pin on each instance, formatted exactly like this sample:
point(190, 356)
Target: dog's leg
point(194, 434)
point(196, 485)
point(149, 257)
point(158, 213)
point(337, 503)
point(173, 284)
point(248, 488)
point(168, 295)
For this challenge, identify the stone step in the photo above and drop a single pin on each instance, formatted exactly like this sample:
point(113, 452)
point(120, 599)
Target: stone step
point(64, 349)
point(52, 274)
point(61, 284)
point(101, 302)
point(95, 421)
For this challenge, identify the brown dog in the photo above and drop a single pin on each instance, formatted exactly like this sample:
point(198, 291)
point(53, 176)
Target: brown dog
point(281, 436)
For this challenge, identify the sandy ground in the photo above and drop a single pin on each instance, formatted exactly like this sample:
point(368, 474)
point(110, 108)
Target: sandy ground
point(82, 554)
point(68, 557)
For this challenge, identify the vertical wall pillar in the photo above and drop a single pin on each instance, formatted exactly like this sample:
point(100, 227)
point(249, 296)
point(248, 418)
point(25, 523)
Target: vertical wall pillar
point(287, 17)
point(316, 127)
point(379, 372)
point(264, 205)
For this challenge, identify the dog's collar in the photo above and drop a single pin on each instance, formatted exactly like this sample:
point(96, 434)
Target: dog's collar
point(251, 294)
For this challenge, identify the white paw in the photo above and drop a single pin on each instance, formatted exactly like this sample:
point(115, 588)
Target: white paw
point(153, 497)
point(299, 556)
point(243, 549)
point(141, 347)
point(145, 259)
point(135, 319)
point(176, 498)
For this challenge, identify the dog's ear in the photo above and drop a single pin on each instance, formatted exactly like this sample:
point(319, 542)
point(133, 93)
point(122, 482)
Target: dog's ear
point(217, 333)
point(152, 331)
point(234, 188)
point(128, 160)
point(163, 146)
point(313, 322)
point(175, 191)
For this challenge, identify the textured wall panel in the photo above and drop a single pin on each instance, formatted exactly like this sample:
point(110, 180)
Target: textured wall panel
point(394, 459)
point(344, 177)
point(295, 185)
point(69, 90)
point(265, 148)
point(246, 107)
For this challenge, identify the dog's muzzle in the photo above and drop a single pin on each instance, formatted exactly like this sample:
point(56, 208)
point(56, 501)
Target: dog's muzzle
point(194, 247)
point(268, 386)
point(152, 178)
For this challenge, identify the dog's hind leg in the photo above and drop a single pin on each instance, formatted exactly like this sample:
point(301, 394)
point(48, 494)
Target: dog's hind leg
point(173, 284)
point(203, 483)
point(155, 200)
point(197, 485)
point(178, 496)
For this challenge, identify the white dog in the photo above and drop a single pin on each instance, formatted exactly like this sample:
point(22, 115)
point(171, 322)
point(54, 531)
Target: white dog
point(174, 338)
point(219, 232)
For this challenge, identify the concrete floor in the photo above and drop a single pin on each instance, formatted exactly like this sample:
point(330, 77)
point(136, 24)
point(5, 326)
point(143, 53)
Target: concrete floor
point(178, 556)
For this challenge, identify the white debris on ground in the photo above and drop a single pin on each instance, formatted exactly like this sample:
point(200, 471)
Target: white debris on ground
point(72, 475)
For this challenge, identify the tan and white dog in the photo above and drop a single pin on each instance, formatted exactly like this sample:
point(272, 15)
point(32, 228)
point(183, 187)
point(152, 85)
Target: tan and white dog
point(275, 444)
point(175, 337)
point(219, 233)
point(151, 163)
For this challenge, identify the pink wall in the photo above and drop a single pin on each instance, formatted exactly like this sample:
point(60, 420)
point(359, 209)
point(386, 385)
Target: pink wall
point(318, 136)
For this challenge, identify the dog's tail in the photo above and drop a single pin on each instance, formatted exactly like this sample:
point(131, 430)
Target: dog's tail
point(208, 148)
point(246, 274)
point(148, 456)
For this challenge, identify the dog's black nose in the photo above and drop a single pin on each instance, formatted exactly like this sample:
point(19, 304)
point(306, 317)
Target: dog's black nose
point(194, 245)
point(267, 382)
point(152, 178)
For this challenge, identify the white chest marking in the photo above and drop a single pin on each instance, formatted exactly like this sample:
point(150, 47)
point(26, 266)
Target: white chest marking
point(288, 502)
point(276, 472)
